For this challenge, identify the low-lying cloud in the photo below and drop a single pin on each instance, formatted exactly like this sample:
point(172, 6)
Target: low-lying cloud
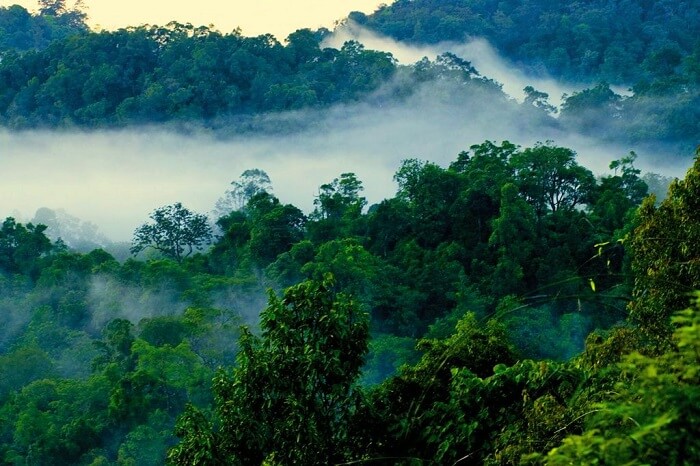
point(482, 55)
point(115, 178)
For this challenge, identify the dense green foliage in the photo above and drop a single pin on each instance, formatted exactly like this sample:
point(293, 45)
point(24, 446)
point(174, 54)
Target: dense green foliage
point(652, 47)
point(175, 232)
point(196, 76)
point(20, 30)
point(602, 39)
point(289, 398)
point(179, 72)
point(509, 308)
point(666, 268)
point(497, 271)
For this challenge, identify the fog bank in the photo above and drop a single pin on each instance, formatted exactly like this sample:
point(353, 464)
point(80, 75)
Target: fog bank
point(482, 55)
point(114, 179)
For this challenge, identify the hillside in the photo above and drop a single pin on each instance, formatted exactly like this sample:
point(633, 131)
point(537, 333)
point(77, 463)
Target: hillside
point(504, 304)
point(653, 48)
point(21, 31)
point(600, 40)
point(501, 307)
point(185, 76)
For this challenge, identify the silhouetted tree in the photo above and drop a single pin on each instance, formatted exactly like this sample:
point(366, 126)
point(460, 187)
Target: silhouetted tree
point(176, 232)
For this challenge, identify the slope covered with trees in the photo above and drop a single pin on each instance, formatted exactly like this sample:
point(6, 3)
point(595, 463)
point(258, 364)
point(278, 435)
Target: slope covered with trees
point(508, 308)
point(484, 277)
point(55, 73)
point(619, 42)
point(155, 74)
point(651, 47)
point(21, 31)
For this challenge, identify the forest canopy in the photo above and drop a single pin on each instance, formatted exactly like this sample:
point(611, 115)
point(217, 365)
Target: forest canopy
point(604, 40)
point(484, 311)
point(509, 307)
point(56, 73)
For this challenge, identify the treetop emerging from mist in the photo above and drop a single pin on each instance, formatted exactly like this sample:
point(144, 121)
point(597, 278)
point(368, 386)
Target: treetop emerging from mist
point(181, 74)
point(601, 39)
point(251, 182)
point(176, 232)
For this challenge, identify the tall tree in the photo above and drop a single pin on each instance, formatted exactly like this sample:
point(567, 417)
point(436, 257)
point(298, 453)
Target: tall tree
point(514, 241)
point(666, 263)
point(538, 99)
point(339, 198)
point(429, 192)
point(176, 232)
point(21, 246)
point(251, 182)
point(551, 179)
point(619, 195)
point(274, 227)
point(52, 7)
point(338, 208)
point(289, 398)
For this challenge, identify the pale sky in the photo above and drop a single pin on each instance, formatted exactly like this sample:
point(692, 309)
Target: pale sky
point(254, 17)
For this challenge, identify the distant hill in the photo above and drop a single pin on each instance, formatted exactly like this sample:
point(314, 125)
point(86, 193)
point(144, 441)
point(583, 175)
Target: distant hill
point(653, 47)
point(611, 40)
point(20, 30)
point(178, 72)
point(56, 73)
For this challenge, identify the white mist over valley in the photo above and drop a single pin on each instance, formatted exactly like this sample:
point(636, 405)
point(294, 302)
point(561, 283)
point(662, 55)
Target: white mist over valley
point(482, 55)
point(446, 232)
point(114, 179)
